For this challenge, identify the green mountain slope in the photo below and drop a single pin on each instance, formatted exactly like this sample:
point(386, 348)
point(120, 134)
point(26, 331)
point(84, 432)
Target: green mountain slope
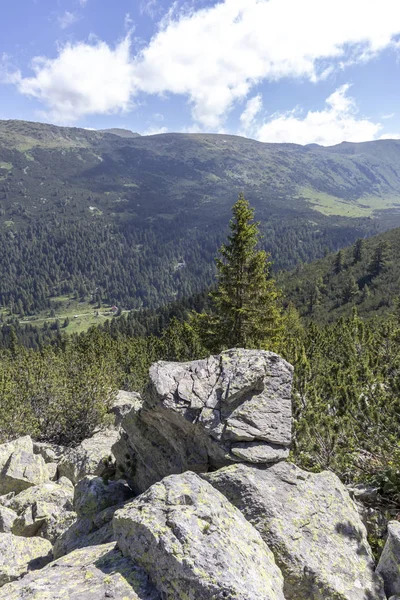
point(138, 219)
point(365, 275)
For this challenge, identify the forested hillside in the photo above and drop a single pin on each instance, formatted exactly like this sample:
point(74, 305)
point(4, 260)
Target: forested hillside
point(365, 275)
point(137, 220)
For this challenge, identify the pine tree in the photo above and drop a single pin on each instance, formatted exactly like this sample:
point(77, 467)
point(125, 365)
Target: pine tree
point(358, 250)
point(338, 263)
point(350, 290)
point(380, 259)
point(246, 301)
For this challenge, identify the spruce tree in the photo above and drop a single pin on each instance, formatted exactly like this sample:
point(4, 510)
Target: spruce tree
point(380, 259)
point(246, 301)
point(338, 263)
point(358, 250)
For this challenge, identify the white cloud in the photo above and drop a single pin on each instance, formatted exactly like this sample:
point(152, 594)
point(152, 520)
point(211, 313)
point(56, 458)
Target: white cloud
point(82, 2)
point(336, 123)
point(155, 130)
point(388, 116)
point(248, 116)
point(390, 136)
point(67, 19)
point(84, 79)
point(216, 55)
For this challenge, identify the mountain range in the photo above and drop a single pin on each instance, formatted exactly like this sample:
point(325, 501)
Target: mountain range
point(138, 219)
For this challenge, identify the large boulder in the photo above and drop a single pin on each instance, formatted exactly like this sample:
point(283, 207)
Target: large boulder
point(93, 456)
point(96, 573)
point(235, 407)
point(21, 471)
point(311, 525)
point(23, 443)
point(18, 555)
point(93, 494)
point(44, 510)
point(389, 562)
point(60, 493)
point(194, 544)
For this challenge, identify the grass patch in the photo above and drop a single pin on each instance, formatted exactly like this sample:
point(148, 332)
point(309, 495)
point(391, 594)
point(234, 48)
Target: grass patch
point(332, 206)
point(81, 315)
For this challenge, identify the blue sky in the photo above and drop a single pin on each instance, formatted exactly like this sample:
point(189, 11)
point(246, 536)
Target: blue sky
point(298, 71)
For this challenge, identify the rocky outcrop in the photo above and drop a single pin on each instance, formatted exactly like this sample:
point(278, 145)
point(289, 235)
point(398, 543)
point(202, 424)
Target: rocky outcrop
point(93, 456)
point(220, 515)
point(18, 555)
point(389, 562)
point(312, 527)
point(194, 544)
point(235, 407)
point(96, 573)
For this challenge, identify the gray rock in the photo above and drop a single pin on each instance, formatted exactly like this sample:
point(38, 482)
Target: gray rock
point(93, 494)
point(311, 525)
point(208, 413)
point(389, 562)
point(123, 404)
point(60, 493)
point(21, 471)
point(81, 534)
point(92, 457)
point(363, 493)
point(44, 510)
point(6, 499)
point(24, 443)
point(7, 518)
point(45, 520)
point(52, 471)
point(51, 453)
point(194, 544)
point(256, 452)
point(105, 516)
point(96, 573)
point(18, 555)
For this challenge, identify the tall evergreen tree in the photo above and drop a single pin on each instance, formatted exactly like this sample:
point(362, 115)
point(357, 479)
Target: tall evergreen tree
point(338, 263)
point(380, 259)
point(358, 250)
point(246, 301)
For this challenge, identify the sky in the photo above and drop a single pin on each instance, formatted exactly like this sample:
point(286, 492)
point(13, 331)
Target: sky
point(299, 71)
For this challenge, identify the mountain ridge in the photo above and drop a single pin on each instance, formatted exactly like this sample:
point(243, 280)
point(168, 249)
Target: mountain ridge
point(83, 211)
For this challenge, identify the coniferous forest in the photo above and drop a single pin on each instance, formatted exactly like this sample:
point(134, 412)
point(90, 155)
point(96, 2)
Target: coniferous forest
point(346, 396)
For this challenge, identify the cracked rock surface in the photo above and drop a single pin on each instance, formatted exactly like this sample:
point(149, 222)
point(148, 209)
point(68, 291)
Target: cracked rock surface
point(234, 407)
point(311, 525)
point(195, 545)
